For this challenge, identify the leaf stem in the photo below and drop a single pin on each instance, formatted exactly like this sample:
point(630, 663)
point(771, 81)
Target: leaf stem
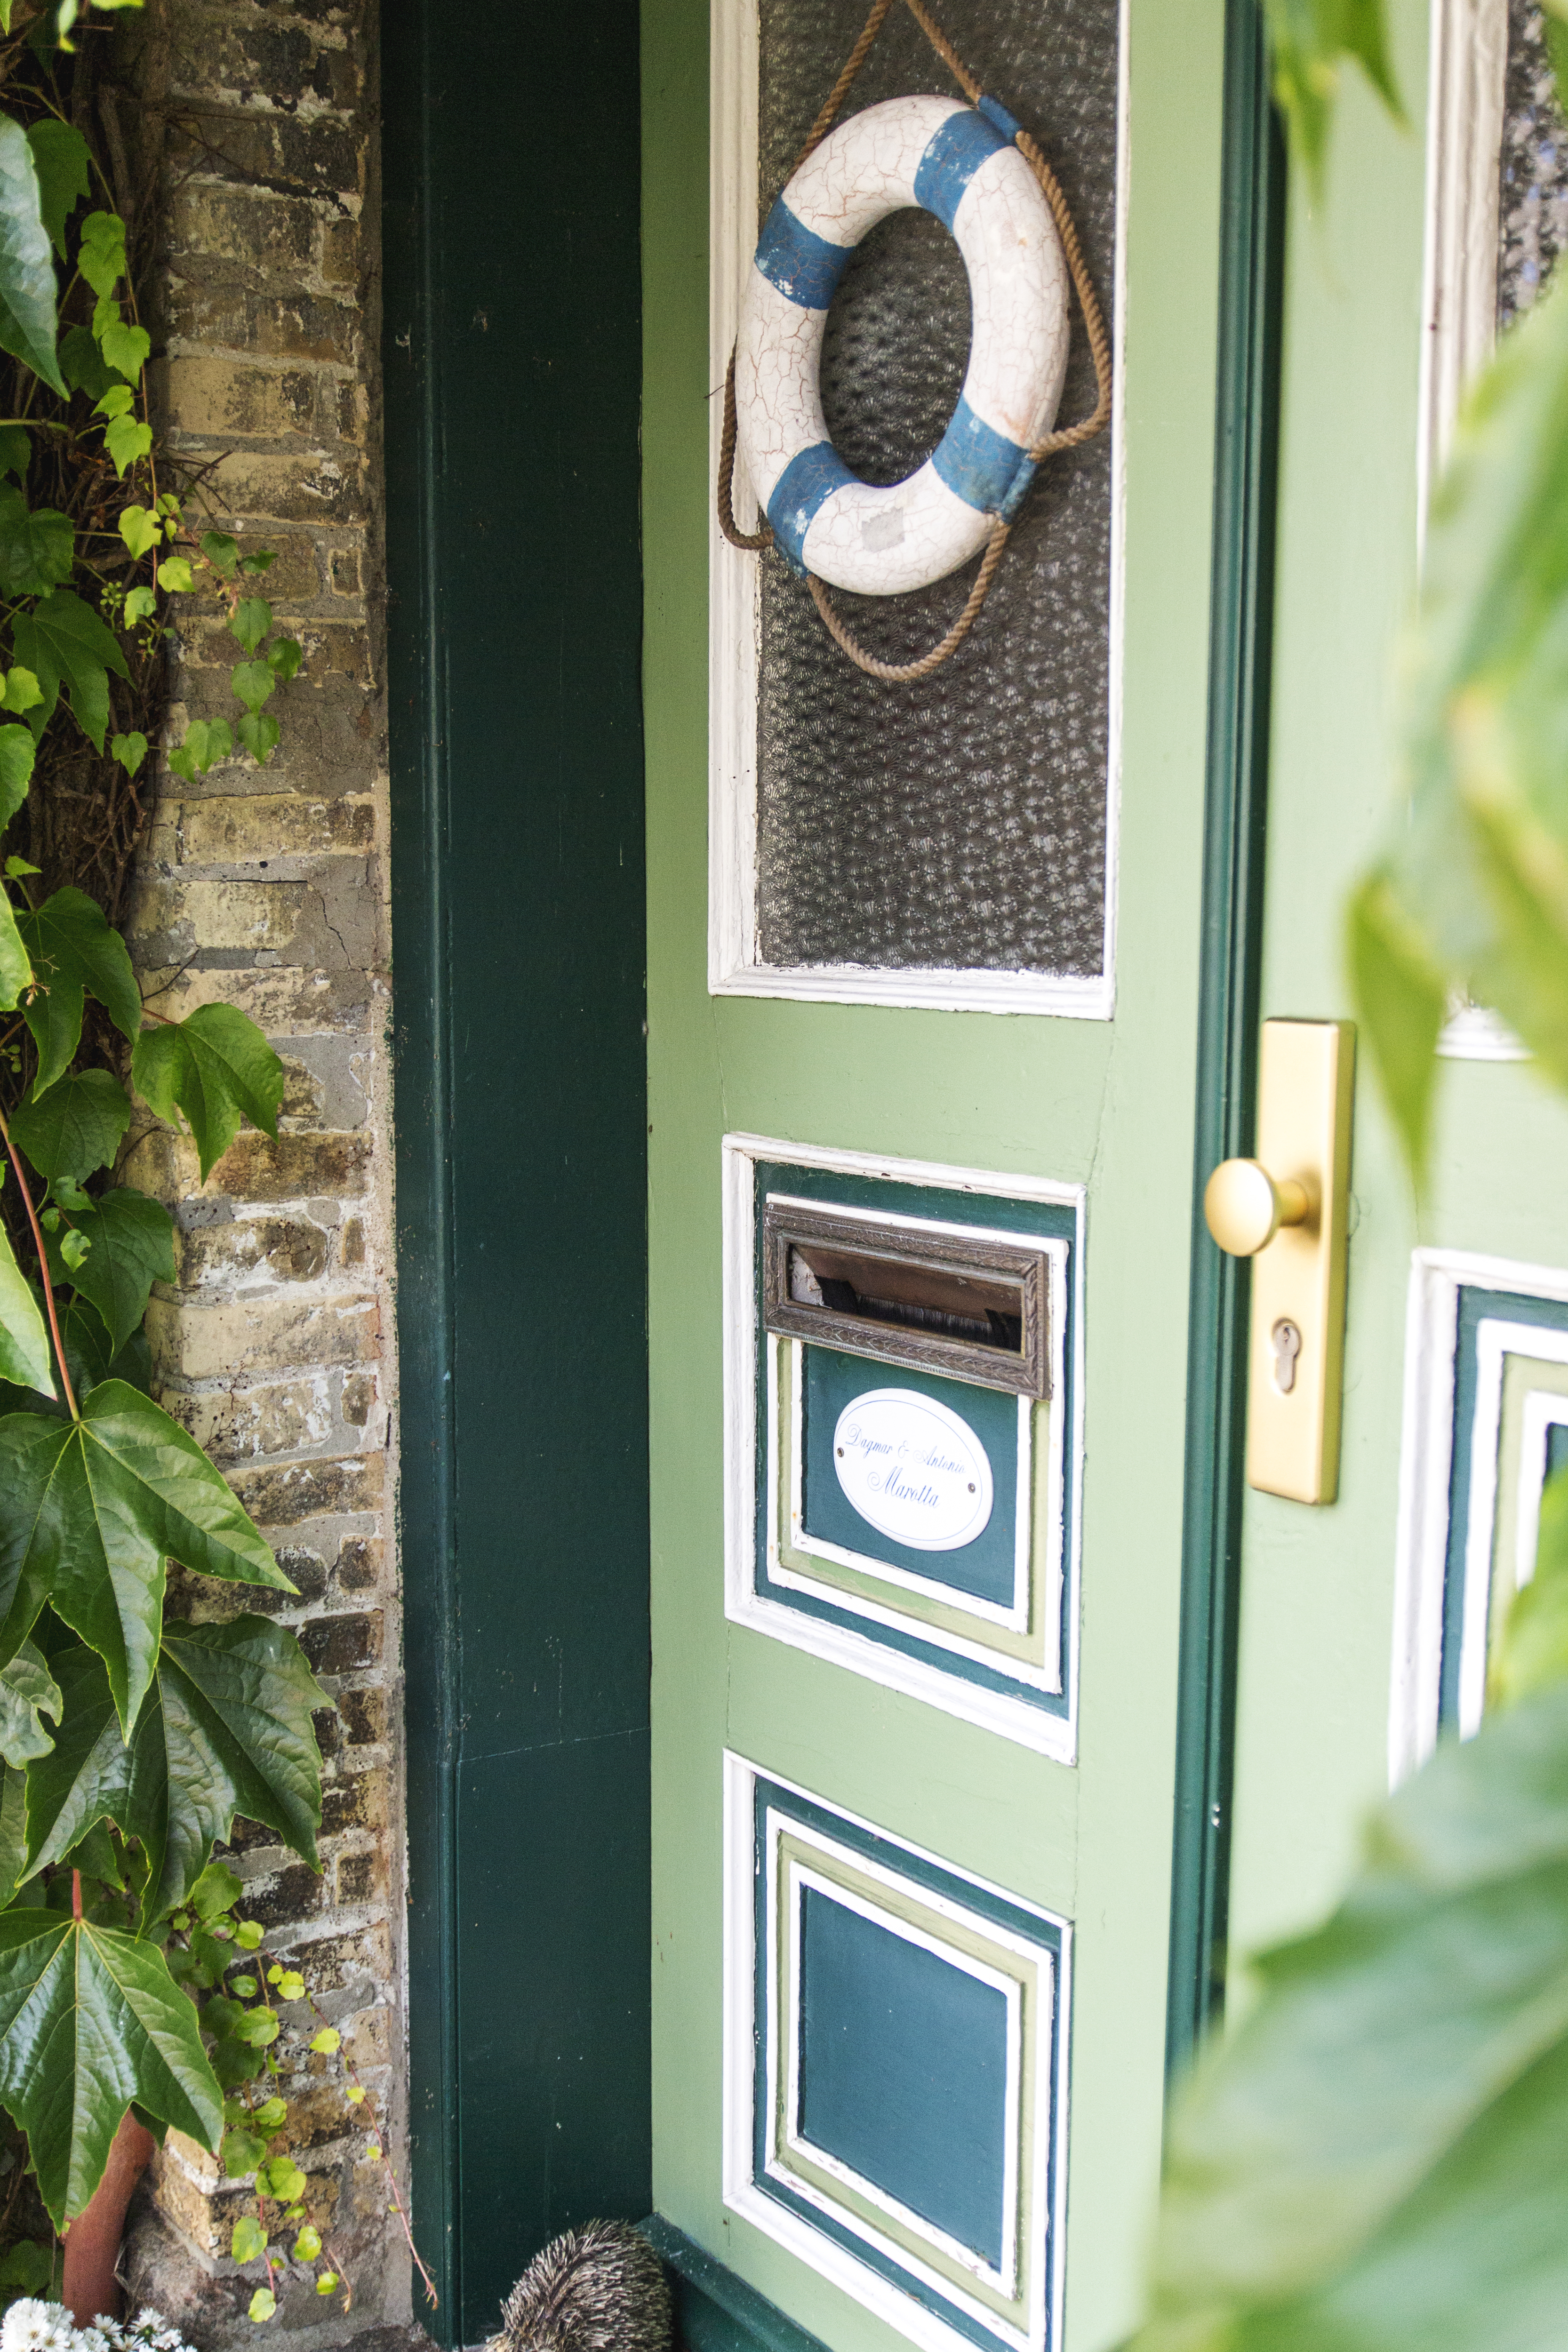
point(43, 1270)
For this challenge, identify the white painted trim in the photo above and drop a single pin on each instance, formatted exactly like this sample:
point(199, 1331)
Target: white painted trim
point(821, 2254)
point(1050, 1735)
point(1437, 1277)
point(734, 609)
point(1464, 140)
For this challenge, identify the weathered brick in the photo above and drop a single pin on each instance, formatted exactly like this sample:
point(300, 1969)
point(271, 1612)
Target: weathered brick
point(280, 1495)
point(291, 1249)
point(248, 827)
point(325, 487)
point(210, 396)
point(357, 1802)
point(292, 1168)
point(363, 1714)
point(273, 1417)
point(284, 1004)
point(342, 253)
point(358, 1400)
point(305, 155)
point(337, 1645)
point(203, 317)
point(192, 1343)
point(362, 1878)
point(264, 234)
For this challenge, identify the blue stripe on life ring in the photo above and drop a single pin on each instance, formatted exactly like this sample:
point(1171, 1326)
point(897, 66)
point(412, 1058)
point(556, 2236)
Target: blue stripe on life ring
point(802, 265)
point(955, 153)
point(811, 476)
point(978, 464)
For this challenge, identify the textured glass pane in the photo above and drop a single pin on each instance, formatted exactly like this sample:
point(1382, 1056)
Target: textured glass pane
point(958, 823)
point(1533, 211)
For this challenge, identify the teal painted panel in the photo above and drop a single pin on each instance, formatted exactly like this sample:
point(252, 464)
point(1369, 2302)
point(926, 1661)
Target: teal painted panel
point(983, 1570)
point(903, 2071)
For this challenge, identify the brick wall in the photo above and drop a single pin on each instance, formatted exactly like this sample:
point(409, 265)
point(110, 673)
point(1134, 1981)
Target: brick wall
point(267, 889)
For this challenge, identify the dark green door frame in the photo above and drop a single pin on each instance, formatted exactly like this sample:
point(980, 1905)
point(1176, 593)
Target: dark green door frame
point(1241, 635)
point(512, 353)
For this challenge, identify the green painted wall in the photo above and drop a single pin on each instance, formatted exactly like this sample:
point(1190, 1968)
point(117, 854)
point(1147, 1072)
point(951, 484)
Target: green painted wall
point(1108, 1104)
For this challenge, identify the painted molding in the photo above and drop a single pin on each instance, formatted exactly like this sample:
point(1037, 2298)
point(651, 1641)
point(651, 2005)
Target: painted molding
point(734, 611)
point(1469, 55)
point(1053, 1735)
point(1426, 1450)
point(828, 2256)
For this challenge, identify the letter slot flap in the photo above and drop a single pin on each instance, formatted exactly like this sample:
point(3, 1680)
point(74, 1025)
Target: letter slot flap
point(946, 1302)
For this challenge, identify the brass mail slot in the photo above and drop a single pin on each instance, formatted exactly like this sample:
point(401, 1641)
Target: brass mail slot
point(946, 1302)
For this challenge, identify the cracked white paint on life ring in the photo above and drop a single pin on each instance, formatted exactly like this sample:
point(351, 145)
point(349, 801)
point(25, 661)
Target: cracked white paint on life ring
point(913, 1469)
point(958, 162)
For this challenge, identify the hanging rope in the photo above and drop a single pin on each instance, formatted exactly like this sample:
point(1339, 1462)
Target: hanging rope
point(1071, 437)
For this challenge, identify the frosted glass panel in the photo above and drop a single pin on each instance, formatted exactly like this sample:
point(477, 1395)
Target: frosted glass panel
point(959, 822)
point(1533, 191)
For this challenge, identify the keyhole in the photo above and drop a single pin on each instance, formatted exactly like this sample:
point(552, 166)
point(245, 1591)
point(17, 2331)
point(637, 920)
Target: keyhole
point(1287, 1348)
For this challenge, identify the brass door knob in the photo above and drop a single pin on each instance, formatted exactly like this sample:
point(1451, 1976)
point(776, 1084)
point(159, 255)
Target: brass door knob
point(1245, 1206)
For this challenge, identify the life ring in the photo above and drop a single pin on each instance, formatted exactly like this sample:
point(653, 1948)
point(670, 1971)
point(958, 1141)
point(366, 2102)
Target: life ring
point(958, 162)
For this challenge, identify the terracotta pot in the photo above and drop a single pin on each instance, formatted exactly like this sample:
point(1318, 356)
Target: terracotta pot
point(92, 2239)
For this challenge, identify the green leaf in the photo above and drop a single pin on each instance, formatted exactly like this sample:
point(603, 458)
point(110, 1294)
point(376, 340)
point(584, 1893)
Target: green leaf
point(24, 1343)
point(12, 1829)
point(76, 1126)
point(226, 1729)
point(215, 1067)
point(16, 450)
point(62, 638)
point(217, 1890)
point(17, 753)
point(271, 2115)
point(15, 971)
point(263, 2304)
point(90, 2020)
point(27, 1692)
point(82, 363)
point(307, 2245)
point(1308, 40)
point(327, 2282)
point(126, 348)
point(27, 319)
point(1533, 1652)
point(283, 657)
point(262, 561)
point(131, 1247)
point(257, 2028)
point(221, 552)
point(174, 576)
point(1400, 1002)
point(89, 1358)
point(247, 1935)
point(130, 750)
point(252, 619)
point(242, 2152)
point(61, 160)
point(291, 1985)
point(253, 682)
point(141, 604)
point(38, 549)
point(258, 734)
point(103, 256)
point(206, 741)
point(249, 2238)
point(127, 440)
point(327, 2042)
point(1375, 2155)
point(284, 2179)
point(98, 1506)
point(74, 950)
point(23, 692)
point(74, 1248)
point(140, 530)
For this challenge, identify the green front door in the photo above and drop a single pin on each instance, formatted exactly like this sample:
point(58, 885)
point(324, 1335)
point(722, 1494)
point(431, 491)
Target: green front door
point(957, 986)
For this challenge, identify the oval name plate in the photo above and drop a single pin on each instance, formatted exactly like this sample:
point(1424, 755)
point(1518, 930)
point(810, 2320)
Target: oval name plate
point(912, 1469)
